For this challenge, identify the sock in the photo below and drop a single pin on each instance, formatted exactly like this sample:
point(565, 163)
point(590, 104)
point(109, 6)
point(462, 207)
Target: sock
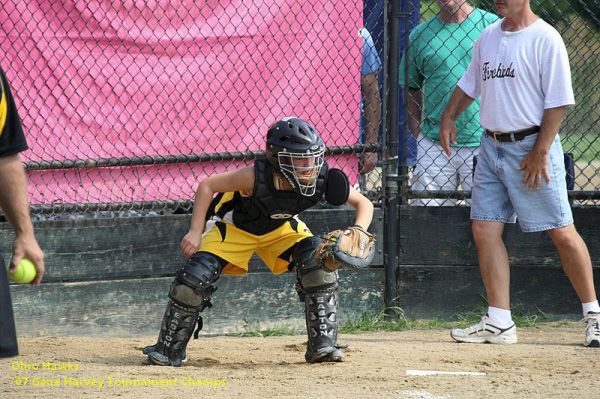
point(590, 307)
point(501, 316)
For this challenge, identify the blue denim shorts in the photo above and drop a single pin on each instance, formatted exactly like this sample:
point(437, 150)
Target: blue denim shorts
point(498, 194)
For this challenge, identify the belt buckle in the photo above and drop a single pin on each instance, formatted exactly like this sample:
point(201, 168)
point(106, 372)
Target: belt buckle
point(494, 135)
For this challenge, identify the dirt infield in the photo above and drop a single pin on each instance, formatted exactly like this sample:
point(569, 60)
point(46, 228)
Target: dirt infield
point(548, 362)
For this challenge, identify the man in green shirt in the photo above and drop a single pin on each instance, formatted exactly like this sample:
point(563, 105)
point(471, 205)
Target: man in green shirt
point(439, 53)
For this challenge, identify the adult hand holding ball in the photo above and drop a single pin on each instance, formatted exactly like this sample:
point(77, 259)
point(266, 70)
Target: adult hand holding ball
point(25, 272)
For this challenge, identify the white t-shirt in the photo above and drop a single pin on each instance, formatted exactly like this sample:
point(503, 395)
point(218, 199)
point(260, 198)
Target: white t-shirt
point(518, 75)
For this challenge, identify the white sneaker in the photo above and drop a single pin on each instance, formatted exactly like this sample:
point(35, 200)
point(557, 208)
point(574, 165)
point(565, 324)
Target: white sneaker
point(592, 329)
point(486, 331)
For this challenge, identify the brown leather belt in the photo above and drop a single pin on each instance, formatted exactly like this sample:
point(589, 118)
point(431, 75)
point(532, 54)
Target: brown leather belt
point(518, 135)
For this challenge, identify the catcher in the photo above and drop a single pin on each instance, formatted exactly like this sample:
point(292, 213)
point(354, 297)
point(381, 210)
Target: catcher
point(255, 210)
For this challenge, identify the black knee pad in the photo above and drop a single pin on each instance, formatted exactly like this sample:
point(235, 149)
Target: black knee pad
point(193, 284)
point(304, 254)
point(311, 278)
point(318, 280)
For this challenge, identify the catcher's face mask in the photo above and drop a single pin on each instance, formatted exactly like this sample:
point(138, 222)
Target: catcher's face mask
point(302, 168)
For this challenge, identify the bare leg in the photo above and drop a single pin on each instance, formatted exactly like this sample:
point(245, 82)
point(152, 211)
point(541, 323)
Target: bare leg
point(495, 271)
point(493, 262)
point(575, 260)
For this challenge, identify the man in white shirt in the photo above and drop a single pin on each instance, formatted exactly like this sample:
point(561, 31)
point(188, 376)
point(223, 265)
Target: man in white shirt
point(520, 68)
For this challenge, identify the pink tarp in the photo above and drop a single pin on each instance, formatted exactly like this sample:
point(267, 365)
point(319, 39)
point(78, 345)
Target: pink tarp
point(99, 79)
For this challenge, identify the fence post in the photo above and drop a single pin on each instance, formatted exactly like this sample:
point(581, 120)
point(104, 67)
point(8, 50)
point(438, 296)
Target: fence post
point(390, 158)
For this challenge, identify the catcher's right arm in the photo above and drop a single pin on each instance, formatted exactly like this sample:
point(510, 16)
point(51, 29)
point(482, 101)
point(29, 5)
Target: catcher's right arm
point(353, 247)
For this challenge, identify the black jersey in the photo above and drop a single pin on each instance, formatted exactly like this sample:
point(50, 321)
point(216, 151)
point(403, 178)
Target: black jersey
point(12, 139)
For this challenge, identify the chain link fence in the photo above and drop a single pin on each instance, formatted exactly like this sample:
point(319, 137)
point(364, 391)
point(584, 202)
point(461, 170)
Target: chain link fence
point(127, 105)
point(436, 181)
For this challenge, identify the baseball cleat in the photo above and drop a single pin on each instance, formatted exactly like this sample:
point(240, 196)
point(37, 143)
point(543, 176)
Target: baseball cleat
point(157, 358)
point(592, 329)
point(486, 331)
point(323, 355)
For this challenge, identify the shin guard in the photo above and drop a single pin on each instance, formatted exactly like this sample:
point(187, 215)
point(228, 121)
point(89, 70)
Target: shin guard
point(176, 330)
point(190, 294)
point(317, 288)
point(322, 324)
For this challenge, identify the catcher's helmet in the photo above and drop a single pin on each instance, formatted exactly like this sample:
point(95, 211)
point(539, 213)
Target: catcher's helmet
point(296, 151)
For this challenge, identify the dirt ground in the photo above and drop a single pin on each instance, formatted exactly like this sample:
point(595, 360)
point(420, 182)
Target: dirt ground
point(548, 362)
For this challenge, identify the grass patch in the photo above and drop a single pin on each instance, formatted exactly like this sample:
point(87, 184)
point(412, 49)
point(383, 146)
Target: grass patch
point(394, 319)
point(389, 319)
point(380, 321)
point(254, 329)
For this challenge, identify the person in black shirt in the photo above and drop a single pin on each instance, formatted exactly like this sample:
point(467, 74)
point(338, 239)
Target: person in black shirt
point(15, 206)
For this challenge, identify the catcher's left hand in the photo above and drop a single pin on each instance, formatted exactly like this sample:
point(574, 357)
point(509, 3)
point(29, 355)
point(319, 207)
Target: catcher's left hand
point(353, 247)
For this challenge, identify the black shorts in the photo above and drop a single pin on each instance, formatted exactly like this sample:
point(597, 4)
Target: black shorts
point(8, 335)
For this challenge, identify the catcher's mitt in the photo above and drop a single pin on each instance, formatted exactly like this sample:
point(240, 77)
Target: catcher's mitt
point(353, 247)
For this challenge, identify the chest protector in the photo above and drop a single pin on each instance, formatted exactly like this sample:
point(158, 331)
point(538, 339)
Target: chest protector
point(269, 208)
